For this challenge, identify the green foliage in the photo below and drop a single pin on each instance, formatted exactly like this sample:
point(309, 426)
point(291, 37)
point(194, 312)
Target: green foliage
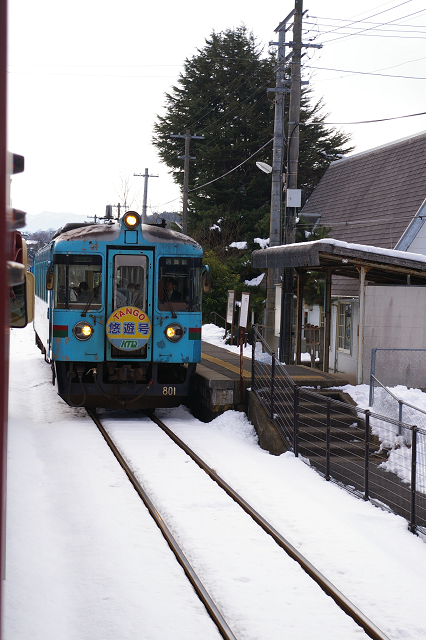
point(307, 231)
point(314, 282)
point(222, 94)
point(222, 279)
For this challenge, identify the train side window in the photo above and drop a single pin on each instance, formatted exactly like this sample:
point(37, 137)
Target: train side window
point(78, 281)
point(179, 284)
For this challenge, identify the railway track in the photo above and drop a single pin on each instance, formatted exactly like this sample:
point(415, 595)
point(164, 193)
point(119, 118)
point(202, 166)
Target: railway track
point(225, 630)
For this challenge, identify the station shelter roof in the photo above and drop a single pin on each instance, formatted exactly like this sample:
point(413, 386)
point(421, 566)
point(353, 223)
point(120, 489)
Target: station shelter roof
point(384, 266)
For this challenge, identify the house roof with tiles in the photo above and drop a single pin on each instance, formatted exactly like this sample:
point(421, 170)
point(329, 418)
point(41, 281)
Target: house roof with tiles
point(371, 197)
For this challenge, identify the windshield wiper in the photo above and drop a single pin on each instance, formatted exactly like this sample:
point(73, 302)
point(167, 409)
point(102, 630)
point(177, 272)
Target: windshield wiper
point(89, 302)
point(169, 302)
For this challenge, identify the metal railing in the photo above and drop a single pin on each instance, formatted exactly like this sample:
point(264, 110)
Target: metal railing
point(398, 366)
point(401, 403)
point(216, 316)
point(362, 451)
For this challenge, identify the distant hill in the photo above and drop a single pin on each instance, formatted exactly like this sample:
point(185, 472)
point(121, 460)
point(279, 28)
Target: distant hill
point(48, 220)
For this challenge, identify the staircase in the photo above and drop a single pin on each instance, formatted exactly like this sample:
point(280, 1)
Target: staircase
point(347, 427)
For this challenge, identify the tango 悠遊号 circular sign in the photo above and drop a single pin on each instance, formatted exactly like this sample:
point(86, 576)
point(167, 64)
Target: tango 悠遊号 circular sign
point(128, 328)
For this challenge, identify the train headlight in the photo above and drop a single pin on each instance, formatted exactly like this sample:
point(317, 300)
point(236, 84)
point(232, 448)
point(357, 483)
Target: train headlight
point(131, 219)
point(83, 330)
point(174, 332)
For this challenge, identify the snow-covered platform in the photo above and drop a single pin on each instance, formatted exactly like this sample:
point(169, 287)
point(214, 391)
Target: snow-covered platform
point(217, 382)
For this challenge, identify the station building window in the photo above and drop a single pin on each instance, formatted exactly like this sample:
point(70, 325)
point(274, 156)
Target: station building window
point(345, 327)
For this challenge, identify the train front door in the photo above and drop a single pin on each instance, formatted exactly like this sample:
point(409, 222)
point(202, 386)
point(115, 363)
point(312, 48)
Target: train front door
point(129, 288)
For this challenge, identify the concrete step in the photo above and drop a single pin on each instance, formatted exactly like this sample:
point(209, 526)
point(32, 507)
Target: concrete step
point(341, 450)
point(312, 405)
point(319, 421)
point(312, 433)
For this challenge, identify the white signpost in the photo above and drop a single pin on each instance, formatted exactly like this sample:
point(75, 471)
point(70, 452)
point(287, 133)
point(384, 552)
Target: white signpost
point(230, 307)
point(243, 323)
point(244, 310)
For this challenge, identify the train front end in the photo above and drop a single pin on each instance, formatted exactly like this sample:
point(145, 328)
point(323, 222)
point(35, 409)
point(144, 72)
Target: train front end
point(124, 314)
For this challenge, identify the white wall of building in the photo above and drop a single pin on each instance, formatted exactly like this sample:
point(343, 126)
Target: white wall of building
point(313, 314)
point(419, 243)
point(395, 318)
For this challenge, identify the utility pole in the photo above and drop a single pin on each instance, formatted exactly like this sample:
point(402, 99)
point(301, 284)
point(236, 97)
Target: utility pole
point(275, 229)
point(286, 342)
point(186, 159)
point(293, 119)
point(145, 192)
point(293, 195)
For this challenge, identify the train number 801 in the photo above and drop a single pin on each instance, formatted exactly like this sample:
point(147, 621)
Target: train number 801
point(169, 391)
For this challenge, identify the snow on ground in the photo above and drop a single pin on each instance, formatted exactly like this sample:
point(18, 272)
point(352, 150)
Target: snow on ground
point(85, 561)
point(397, 441)
point(215, 335)
point(258, 588)
point(399, 445)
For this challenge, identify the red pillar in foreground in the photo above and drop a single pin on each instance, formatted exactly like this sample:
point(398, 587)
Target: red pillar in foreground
point(4, 308)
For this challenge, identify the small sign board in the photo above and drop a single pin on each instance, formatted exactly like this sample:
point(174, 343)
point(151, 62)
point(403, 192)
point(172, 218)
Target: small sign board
point(230, 307)
point(244, 310)
point(128, 328)
point(294, 198)
point(278, 300)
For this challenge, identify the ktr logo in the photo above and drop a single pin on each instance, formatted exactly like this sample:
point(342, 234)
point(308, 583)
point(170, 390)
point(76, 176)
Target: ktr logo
point(129, 344)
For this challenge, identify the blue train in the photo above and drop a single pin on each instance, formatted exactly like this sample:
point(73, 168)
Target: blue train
point(118, 312)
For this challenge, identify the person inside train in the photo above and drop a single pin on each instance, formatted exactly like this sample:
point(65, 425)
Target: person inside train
point(84, 292)
point(136, 299)
point(170, 291)
point(129, 296)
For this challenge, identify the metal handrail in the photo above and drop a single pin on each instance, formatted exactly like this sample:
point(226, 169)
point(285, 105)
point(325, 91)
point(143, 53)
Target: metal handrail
point(217, 314)
point(285, 416)
point(399, 401)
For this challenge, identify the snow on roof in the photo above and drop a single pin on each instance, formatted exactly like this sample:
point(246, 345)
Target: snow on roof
point(366, 248)
point(345, 257)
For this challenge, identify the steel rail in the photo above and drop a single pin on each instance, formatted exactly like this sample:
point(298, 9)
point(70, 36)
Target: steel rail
point(201, 591)
point(341, 600)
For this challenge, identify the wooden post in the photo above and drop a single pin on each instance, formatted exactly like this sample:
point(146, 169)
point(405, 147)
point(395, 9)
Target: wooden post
point(300, 283)
point(241, 365)
point(327, 327)
point(362, 272)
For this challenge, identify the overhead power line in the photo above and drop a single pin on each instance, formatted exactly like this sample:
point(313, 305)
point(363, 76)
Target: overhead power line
point(234, 169)
point(364, 20)
point(367, 73)
point(410, 115)
point(384, 35)
point(370, 28)
point(225, 174)
point(408, 28)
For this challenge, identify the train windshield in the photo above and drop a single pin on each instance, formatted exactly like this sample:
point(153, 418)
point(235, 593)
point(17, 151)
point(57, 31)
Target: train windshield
point(130, 281)
point(179, 284)
point(78, 282)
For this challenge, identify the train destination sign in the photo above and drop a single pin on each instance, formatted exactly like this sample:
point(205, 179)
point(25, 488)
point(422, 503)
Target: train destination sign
point(128, 328)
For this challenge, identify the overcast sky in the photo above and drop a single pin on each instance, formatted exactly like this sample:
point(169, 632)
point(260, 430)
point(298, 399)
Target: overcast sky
point(87, 78)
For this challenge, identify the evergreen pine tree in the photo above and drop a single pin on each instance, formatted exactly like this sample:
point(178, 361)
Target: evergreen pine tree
point(222, 94)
